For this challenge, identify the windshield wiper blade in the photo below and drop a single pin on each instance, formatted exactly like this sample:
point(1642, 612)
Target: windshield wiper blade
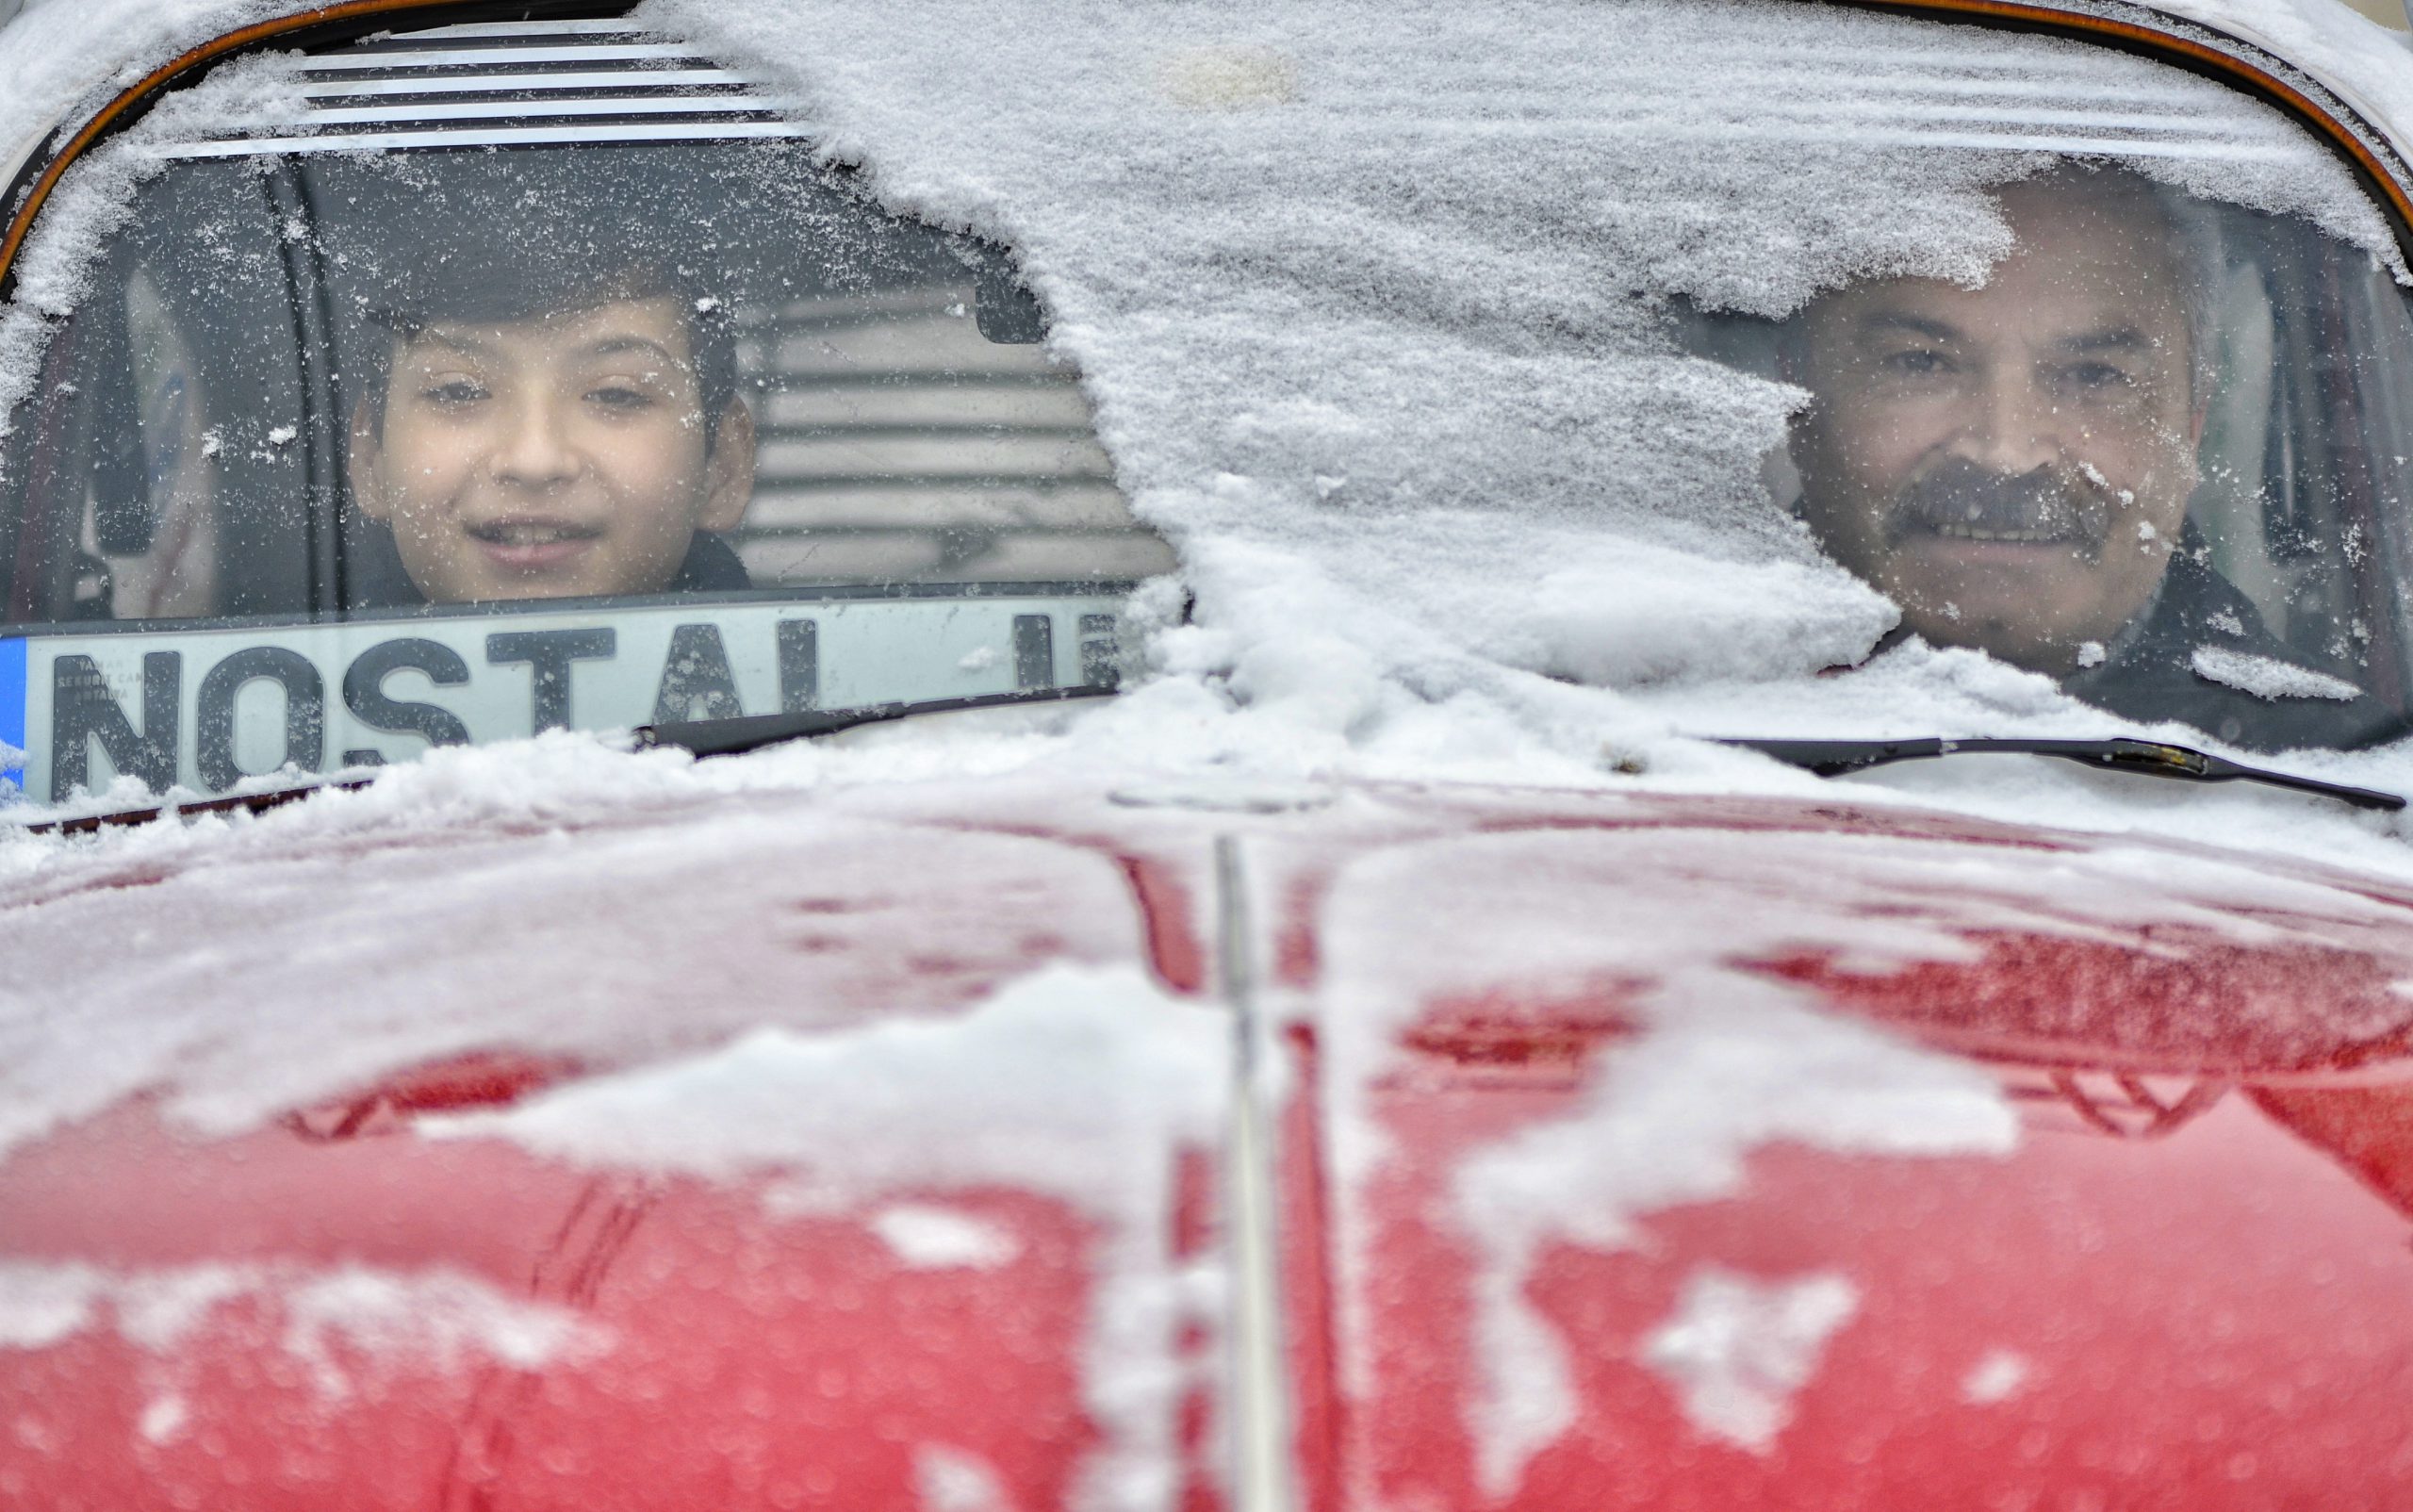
point(733, 737)
point(2148, 758)
point(274, 798)
point(699, 737)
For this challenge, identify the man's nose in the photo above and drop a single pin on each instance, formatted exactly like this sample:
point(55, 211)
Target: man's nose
point(535, 448)
point(2013, 427)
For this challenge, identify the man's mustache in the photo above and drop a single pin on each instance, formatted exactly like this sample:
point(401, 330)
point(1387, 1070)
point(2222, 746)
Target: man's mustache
point(1961, 500)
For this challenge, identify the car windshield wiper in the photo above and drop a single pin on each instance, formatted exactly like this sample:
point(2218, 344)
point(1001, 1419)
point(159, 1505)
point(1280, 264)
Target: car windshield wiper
point(734, 737)
point(701, 737)
point(2149, 758)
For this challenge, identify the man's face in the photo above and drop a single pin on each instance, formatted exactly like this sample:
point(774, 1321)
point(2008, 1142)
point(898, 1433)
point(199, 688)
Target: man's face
point(2009, 464)
point(549, 457)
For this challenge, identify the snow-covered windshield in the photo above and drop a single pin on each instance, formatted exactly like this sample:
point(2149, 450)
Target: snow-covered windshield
point(345, 453)
point(1668, 357)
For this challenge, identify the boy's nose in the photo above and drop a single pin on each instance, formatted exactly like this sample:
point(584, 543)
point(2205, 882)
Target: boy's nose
point(535, 449)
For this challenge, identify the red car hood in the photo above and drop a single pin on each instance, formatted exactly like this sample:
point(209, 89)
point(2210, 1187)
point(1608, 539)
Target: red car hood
point(884, 1148)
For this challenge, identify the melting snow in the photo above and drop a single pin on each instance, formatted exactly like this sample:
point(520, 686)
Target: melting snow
point(1727, 1060)
point(1074, 1081)
point(162, 1418)
point(1082, 1083)
point(937, 1238)
point(1667, 1120)
point(1994, 1378)
point(41, 1304)
point(955, 1480)
point(440, 1317)
point(338, 983)
point(1739, 1349)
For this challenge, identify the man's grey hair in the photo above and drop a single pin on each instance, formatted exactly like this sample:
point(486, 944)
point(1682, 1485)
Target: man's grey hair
point(2199, 253)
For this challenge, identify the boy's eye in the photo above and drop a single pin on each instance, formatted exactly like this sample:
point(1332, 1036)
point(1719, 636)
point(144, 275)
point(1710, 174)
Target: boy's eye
point(619, 395)
point(449, 391)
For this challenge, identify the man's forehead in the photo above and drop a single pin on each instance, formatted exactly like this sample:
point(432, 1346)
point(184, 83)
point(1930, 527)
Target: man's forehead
point(2085, 252)
point(2075, 323)
point(2084, 301)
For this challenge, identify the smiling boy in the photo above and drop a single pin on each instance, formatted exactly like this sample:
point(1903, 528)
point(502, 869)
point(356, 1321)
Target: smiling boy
point(534, 436)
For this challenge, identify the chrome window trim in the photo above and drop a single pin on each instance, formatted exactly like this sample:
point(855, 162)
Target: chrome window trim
point(473, 29)
point(363, 59)
point(669, 78)
point(485, 137)
point(603, 104)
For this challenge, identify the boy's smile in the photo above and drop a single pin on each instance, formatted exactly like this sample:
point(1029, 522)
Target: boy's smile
point(559, 455)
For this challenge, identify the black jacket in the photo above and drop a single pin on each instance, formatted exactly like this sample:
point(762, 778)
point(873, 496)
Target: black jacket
point(2151, 674)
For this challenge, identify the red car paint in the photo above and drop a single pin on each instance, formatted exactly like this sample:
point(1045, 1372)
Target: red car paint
point(2195, 1254)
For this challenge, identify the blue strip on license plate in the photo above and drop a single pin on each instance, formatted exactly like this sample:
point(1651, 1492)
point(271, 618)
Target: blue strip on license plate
point(12, 712)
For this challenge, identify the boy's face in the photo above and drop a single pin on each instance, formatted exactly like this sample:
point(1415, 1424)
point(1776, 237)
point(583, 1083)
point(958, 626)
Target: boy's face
point(549, 457)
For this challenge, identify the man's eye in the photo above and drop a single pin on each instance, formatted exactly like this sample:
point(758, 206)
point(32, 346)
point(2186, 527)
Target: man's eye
point(619, 395)
point(453, 392)
point(2095, 375)
point(1917, 362)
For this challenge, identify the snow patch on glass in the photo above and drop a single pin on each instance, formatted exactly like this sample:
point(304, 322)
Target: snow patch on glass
point(2267, 677)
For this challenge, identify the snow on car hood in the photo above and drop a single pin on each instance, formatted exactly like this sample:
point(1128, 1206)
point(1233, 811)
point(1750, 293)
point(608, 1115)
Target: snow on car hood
point(867, 1016)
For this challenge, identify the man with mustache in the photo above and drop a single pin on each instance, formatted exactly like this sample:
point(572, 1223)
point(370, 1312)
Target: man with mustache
point(2011, 464)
